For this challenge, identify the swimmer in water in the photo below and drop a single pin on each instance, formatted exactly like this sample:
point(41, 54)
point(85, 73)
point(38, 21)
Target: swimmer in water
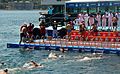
point(85, 59)
point(52, 56)
point(91, 57)
point(62, 50)
point(2, 64)
point(97, 54)
point(4, 71)
point(31, 65)
point(26, 66)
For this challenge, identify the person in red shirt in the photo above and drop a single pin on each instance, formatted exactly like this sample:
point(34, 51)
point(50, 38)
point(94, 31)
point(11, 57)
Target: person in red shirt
point(30, 30)
point(94, 28)
point(42, 29)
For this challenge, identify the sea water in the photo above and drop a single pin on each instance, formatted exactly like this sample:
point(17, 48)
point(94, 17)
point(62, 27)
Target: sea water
point(71, 63)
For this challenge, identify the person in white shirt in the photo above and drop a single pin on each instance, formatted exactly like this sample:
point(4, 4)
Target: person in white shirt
point(80, 16)
point(91, 20)
point(104, 20)
point(86, 17)
point(110, 15)
point(98, 18)
point(76, 23)
point(117, 14)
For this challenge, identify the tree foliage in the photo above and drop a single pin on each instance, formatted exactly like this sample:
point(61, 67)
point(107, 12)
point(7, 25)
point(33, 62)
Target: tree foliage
point(6, 1)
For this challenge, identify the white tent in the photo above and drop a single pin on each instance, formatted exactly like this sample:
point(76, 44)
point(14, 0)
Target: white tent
point(82, 0)
point(89, 1)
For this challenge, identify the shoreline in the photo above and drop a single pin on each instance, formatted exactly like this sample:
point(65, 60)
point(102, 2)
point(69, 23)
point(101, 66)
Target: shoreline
point(23, 10)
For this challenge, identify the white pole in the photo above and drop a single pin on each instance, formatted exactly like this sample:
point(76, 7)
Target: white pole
point(98, 9)
point(65, 11)
point(65, 8)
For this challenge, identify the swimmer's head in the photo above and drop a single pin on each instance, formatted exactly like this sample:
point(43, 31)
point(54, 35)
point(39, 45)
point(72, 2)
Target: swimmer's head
point(101, 56)
point(62, 50)
point(34, 63)
point(2, 63)
point(94, 53)
point(60, 56)
point(53, 55)
point(31, 61)
point(6, 70)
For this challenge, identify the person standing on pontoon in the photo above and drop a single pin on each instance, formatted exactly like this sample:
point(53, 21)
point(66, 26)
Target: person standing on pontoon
point(42, 29)
point(55, 33)
point(115, 20)
point(94, 28)
point(117, 14)
point(91, 20)
point(50, 10)
point(76, 23)
point(86, 17)
point(98, 18)
point(30, 31)
point(110, 22)
point(23, 33)
point(82, 29)
point(118, 20)
point(104, 20)
point(81, 18)
point(69, 29)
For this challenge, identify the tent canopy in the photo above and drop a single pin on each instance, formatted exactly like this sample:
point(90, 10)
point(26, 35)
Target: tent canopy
point(91, 3)
point(71, 1)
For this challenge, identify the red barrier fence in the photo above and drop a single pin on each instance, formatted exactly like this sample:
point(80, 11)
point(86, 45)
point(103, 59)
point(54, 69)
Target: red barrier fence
point(95, 36)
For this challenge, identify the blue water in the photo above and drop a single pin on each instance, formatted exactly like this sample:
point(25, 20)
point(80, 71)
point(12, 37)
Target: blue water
point(10, 22)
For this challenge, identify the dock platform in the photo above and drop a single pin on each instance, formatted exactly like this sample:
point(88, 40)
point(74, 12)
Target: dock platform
point(81, 46)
